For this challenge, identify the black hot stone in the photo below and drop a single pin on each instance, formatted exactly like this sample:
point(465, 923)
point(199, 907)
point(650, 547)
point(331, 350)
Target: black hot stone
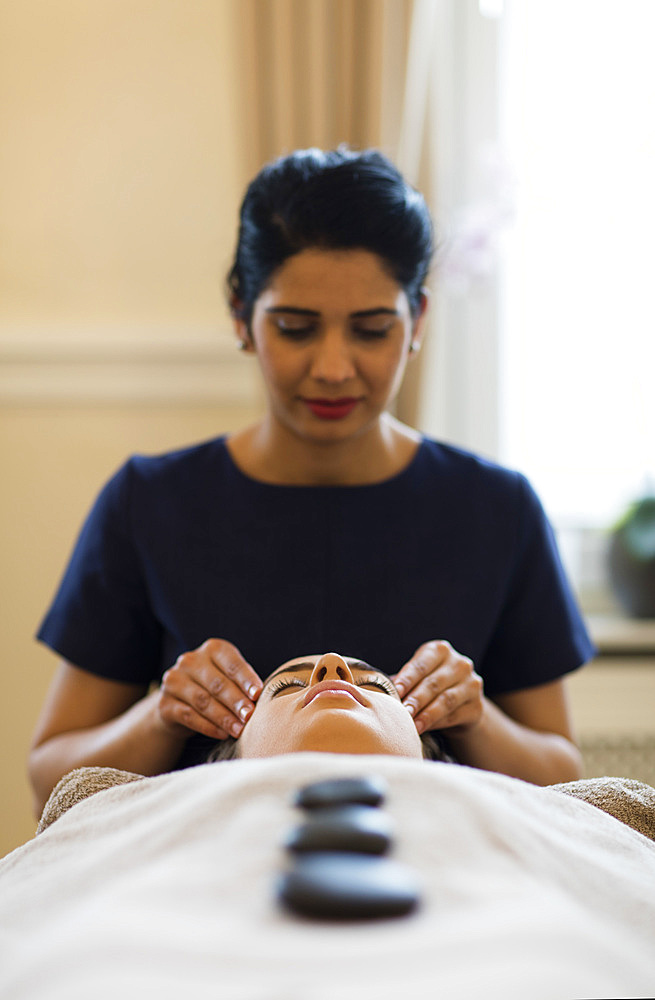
point(340, 791)
point(357, 828)
point(338, 886)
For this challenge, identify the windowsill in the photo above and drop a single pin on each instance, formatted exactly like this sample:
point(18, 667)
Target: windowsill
point(614, 633)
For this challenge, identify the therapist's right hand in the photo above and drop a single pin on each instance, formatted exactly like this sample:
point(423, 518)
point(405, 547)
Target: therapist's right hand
point(209, 690)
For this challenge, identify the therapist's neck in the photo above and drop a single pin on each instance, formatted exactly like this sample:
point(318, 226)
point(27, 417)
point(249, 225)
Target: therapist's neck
point(276, 454)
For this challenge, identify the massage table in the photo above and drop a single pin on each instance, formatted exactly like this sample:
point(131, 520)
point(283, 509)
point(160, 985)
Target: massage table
point(166, 887)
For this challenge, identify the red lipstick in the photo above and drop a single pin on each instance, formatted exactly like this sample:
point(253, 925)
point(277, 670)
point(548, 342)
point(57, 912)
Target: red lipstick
point(331, 409)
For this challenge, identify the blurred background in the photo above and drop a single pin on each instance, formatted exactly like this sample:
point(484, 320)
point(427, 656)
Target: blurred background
point(128, 132)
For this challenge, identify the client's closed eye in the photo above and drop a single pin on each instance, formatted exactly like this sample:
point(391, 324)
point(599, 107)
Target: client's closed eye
point(382, 683)
point(379, 681)
point(286, 682)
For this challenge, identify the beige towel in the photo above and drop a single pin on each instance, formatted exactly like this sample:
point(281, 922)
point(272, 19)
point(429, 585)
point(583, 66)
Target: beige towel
point(632, 802)
point(79, 785)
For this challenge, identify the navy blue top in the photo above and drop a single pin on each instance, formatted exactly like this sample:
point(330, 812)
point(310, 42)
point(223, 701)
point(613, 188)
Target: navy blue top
point(184, 546)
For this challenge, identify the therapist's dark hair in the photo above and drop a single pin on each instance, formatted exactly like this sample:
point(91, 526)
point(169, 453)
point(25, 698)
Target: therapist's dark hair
point(334, 200)
point(434, 748)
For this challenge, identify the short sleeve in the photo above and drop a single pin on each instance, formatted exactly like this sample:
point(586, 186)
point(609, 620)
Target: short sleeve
point(540, 633)
point(101, 619)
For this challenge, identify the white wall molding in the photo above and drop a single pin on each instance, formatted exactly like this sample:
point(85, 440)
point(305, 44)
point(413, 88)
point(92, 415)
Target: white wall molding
point(203, 370)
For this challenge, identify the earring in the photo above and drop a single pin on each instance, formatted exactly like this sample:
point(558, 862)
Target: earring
point(242, 345)
point(414, 348)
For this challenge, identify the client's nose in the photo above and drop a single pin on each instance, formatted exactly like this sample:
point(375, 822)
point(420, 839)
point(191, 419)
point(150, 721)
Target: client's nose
point(330, 667)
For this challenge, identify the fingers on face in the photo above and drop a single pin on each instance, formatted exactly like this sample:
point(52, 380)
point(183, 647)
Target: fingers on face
point(444, 689)
point(435, 667)
point(201, 695)
point(192, 705)
point(460, 705)
point(230, 662)
point(181, 713)
point(427, 658)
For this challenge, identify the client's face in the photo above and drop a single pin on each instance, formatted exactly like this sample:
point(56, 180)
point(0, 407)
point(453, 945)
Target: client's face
point(329, 704)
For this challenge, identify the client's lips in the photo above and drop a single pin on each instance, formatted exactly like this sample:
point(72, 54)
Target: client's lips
point(332, 409)
point(334, 686)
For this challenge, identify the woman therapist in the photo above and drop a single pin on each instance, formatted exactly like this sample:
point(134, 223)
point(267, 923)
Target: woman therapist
point(326, 525)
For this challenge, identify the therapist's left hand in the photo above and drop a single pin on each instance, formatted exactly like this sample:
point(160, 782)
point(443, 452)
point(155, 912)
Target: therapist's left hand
point(440, 688)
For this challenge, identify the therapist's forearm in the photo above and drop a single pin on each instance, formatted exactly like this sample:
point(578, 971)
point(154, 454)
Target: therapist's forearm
point(498, 743)
point(134, 741)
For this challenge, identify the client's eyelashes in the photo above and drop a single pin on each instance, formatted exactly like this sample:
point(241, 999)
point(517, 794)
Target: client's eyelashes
point(386, 686)
point(286, 682)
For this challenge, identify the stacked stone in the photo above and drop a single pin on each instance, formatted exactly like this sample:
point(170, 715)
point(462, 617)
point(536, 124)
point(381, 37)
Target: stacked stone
point(338, 867)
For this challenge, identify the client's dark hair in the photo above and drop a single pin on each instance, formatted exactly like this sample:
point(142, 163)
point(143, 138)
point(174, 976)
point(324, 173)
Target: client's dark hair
point(335, 200)
point(434, 748)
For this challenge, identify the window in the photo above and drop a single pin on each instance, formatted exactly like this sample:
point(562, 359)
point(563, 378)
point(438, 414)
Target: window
point(541, 140)
point(577, 317)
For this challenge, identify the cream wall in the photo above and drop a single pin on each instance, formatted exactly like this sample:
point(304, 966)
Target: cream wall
point(123, 168)
point(128, 130)
point(54, 460)
point(123, 159)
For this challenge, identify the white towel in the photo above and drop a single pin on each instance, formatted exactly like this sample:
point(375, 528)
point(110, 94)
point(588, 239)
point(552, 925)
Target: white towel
point(164, 887)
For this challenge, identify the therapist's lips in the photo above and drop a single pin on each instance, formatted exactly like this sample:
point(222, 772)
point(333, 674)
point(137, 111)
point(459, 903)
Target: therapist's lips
point(331, 409)
point(334, 686)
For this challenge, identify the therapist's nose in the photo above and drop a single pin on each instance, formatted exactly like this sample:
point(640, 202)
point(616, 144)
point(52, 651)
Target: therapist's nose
point(331, 667)
point(331, 362)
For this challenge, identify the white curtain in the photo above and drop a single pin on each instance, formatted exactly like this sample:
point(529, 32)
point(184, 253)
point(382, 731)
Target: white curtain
point(448, 146)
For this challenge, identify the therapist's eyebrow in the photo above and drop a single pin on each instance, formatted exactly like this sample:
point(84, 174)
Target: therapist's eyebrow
point(359, 314)
point(381, 311)
point(308, 665)
point(274, 310)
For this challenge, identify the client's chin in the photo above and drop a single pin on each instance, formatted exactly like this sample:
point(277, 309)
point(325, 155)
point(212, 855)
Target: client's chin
point(345, 732)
